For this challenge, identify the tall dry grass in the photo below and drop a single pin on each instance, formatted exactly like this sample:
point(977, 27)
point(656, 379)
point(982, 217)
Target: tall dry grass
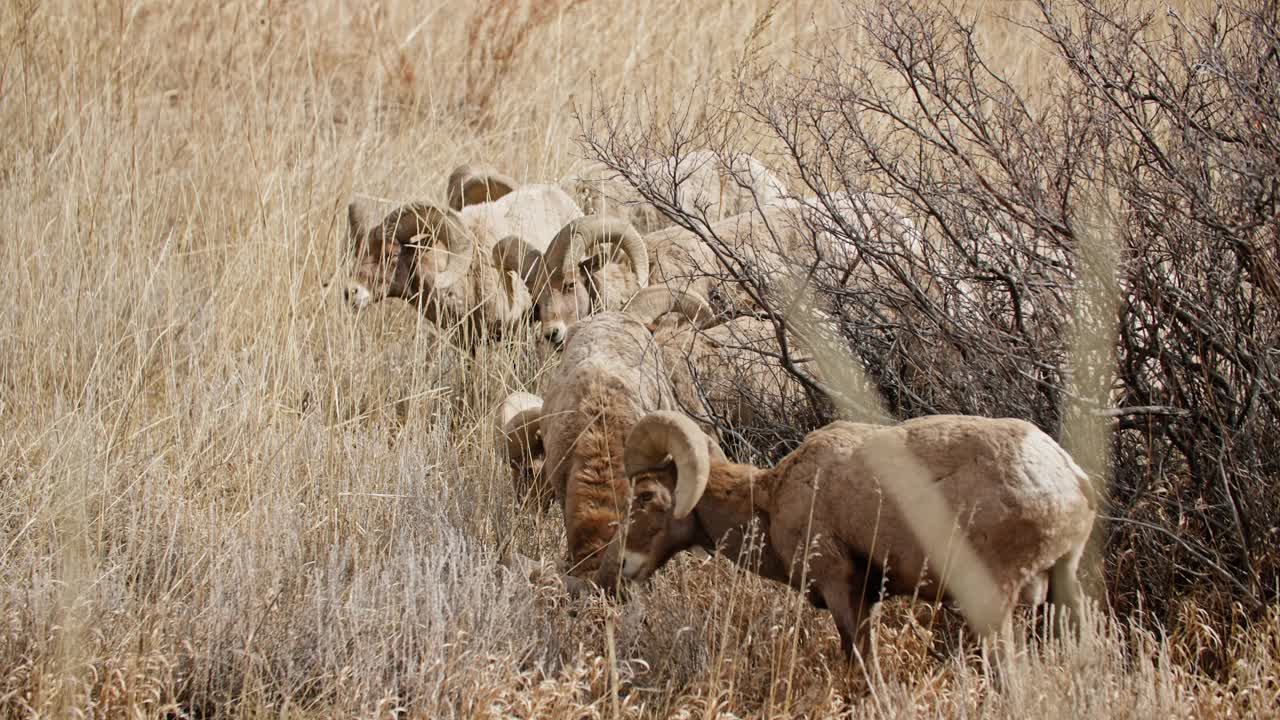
point(221, 494)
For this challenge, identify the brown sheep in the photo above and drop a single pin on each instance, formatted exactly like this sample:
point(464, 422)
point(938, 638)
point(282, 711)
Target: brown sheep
point(1024, 507)
point(610, 375)
point(458, 264)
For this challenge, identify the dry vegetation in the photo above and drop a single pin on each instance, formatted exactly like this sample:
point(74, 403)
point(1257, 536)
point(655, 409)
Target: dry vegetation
point(223, 494)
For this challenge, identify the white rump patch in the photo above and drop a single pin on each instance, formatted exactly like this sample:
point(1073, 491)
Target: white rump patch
point(1049, 473)
point(358, 296)
point(633, 563)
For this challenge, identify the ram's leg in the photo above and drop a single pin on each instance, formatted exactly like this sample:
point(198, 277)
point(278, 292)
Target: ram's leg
point(849, 593)
point(1000, 649)
point(1066, 594)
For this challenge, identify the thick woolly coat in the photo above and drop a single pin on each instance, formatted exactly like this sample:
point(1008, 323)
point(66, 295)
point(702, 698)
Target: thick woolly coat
point(611, 374)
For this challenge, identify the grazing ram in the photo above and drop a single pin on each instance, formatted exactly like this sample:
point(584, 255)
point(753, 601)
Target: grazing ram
point(1024, 507)
point(784, 237)
point(427, 255)
point(610, 375)
point(580, 274)
point(520, 433)
point(592, 263)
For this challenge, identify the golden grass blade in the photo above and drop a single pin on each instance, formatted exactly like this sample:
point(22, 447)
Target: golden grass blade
point(1091, 359)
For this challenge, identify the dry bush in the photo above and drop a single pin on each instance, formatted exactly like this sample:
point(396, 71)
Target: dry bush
point(946, 210)
point(221, 494)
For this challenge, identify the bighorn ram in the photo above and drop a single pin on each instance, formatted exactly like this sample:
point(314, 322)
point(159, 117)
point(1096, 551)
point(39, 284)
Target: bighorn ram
point(1022, 504)
point(698, 182)
point(783, 237)
point(610, 375)
point(732, 367)
point(579, 273)
point(427, 254)
point(578, 276)
point(520, 432)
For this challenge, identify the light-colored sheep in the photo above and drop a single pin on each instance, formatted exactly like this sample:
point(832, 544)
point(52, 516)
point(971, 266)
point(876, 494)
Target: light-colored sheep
point(610, 375)
point(772, 242)
point(519, 432)
point(730, 367)
point(699, 182)
point(376, 245)
point(436, 265)
point(593, 263)
point(598, 263)
point(841, 499)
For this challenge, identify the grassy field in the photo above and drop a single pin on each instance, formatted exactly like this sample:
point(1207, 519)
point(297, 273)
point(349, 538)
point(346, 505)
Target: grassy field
point(223, 494)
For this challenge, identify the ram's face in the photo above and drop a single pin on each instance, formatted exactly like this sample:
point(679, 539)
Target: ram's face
point(647, 531)
point(374, 274)
point(559, 305)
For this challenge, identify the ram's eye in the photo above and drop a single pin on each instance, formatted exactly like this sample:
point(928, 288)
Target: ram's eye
point(644, 498)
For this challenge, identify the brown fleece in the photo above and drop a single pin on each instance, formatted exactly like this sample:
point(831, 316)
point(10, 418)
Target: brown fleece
point(610, 375)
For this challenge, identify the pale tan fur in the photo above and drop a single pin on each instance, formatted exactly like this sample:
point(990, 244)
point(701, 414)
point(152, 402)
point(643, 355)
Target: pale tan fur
point(534, 213)
point(1024, 507)
point(726, 365)
point(610, 375)
point(496, 297)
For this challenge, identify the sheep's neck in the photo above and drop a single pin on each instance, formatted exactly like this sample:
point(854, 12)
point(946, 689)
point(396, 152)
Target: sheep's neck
point(732, 523)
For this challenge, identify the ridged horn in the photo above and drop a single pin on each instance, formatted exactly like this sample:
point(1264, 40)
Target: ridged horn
point(653, 302)
point(512, 254)
point(585, 235)
point(420, 225)
point(664, 433)
point(471, 185)
point(357, 222)
point(519, 425)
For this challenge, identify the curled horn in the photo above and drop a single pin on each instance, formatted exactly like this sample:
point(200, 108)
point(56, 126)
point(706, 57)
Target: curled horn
point(653, 302)
point(512, 254)
point(664, 433)
point(519, 425)
point(584, 235)
point(357, 219)
point(470, 185)
point(421, 225)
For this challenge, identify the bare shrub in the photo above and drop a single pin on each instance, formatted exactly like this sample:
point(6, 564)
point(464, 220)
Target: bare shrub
point(223, 495)
point(943, 209)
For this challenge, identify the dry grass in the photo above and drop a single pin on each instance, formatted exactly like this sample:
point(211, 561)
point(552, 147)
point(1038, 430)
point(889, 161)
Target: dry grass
point(223, 495)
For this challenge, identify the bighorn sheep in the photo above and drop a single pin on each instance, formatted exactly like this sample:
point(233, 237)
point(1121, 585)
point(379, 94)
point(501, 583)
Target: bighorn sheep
point(376, 246)
point(610, 375)
point(578, 272)
point(578, 275)
point(434, 253)
point(791, 235)
point(729, 367)
point(1022, 504)
point(698, 182)
point(520, 433)
point(579, 279)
